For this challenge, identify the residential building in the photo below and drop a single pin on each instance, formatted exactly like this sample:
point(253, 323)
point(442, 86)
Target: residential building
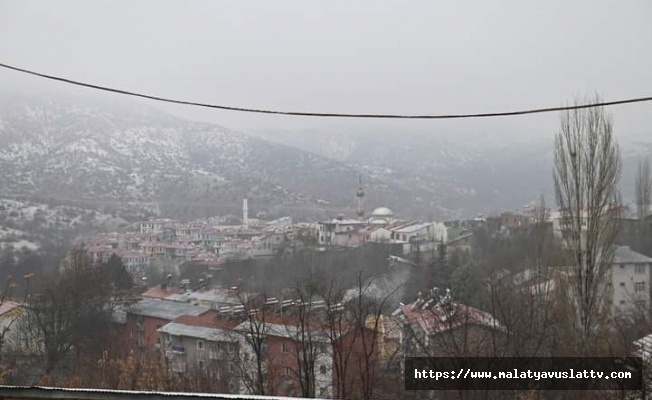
point(511, 220)
point(435, 325)
point(459, 247)
point(284, 350)
point(627, 287)
point(212, 298)
point(419, 237)
point(155, 225)
point(136, 262)
point(368, 358)
point(340, 232)
point(144, 318)
point(378, 234)
point(631, 276)
point(206, 344)
point(100, 253)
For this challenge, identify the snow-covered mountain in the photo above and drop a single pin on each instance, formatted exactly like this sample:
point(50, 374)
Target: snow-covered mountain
point(456, 178)
point(112, 154)
point(122, 155)
point(125, 158)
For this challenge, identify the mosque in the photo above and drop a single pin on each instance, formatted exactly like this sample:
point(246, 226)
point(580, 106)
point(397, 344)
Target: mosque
point(381, 226)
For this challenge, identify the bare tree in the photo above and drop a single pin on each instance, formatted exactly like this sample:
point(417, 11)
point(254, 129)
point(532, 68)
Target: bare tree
point(586, 174)
point(71, 316)
point(254, 368)
point(308, 333)
point(643, 189)
point(643, 201)
point(337, 327)
point(355, 325)
point(10, 319)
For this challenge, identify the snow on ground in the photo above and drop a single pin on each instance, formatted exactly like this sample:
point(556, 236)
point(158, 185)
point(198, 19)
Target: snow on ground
point(20, 245)
point(5, 231)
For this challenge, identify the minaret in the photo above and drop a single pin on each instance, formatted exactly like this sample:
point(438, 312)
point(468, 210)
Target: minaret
point(359, 195)
point(245, 211)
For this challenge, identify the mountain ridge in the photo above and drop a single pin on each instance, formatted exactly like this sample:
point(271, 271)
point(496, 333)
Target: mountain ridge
point(108, 153)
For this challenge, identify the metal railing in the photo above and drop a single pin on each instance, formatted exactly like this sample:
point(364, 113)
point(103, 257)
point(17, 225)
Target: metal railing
point(41, 392)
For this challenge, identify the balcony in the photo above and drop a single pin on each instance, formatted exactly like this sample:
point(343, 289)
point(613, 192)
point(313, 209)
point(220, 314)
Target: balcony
point(178, 349)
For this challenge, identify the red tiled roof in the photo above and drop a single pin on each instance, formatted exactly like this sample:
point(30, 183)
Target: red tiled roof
point(291, 320)
point(433, 320)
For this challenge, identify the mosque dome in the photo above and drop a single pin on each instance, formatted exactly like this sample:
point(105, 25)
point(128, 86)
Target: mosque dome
point(383, 212)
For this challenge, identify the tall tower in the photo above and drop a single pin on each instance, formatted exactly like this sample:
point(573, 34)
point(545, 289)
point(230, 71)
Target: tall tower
point(359, 197)
point(245, 211)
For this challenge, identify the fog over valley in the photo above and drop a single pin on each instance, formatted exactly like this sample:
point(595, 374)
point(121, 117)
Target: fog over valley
point(325, 200)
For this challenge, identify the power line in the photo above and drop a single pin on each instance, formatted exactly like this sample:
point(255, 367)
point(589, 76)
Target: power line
point(333, 115)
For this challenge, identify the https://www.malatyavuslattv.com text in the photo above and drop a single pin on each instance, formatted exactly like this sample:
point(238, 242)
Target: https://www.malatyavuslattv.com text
point(523, 373)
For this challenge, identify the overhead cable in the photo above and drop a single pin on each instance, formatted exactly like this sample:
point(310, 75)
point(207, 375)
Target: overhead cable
point(330, 115)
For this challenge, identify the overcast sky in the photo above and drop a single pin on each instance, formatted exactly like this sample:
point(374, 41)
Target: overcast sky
point(380, 56)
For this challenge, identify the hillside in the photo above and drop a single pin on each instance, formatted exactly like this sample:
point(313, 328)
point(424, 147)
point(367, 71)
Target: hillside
point(132, 159)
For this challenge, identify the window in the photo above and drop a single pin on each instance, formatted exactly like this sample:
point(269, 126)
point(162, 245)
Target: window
point(639, 287)
point(288, 371)
point(201, 364)
point(200, 345)
point(322, 369)
point(284, 348)
point(178, 367)
point(622, 284)
point(640, 269)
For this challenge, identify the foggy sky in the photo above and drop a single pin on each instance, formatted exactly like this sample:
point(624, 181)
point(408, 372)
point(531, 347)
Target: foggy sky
point(380, 56)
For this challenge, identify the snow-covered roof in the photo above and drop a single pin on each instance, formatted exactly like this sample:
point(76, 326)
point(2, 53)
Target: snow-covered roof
point(199, 332)
point(164, 309)
point(343, 221)
point(8, 306)
point(413, 228)
point(644, 346)
point(625, 255)
point(435, 320)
